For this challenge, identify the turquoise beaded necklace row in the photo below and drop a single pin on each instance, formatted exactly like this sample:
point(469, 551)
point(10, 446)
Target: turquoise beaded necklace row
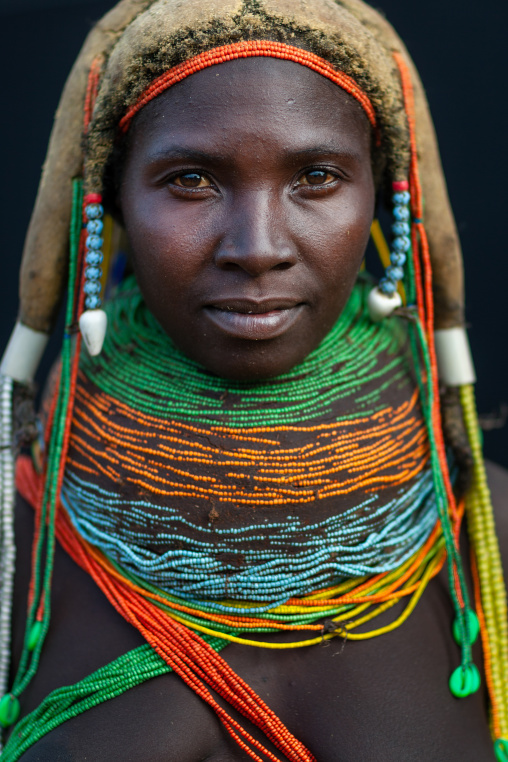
point(264, 562)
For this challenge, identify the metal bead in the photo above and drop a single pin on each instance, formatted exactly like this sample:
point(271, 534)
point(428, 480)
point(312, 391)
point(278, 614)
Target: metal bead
point(387, 286)
point(402, 197)
point(394, 273)
point(401, 243)
point(397, 259)
point(401, 228)
point(92, 302)
point(93, 273)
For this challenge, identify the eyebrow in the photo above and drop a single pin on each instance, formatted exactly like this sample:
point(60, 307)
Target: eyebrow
point(192, 154)
point(189, 154)
point(327, 149)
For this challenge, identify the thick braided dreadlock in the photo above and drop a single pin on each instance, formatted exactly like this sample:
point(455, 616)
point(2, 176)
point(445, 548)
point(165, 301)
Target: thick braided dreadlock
point(140, 40)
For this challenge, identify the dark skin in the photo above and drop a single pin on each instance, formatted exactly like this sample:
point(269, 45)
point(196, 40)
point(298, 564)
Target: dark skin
point(254, 230)
point(247, 233)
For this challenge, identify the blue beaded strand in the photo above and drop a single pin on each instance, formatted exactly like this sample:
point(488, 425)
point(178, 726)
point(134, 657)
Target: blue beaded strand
point(94, 256)
point(401, 243)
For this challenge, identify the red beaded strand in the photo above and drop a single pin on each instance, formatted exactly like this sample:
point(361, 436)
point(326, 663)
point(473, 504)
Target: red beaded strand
point(425, 299)
point(190, 657)
point(247, 49)
point(92, 90)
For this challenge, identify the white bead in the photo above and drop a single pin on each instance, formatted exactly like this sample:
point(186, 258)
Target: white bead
point(7, 545)
point(381, 305)
point(23, 353)
point(454, 361)
point(93, 325)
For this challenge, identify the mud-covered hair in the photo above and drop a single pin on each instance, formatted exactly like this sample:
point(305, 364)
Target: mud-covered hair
point(148, 59)
point(140, 39)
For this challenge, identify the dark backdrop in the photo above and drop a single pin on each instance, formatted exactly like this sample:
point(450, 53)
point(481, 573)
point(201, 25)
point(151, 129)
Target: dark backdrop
point(459, 48)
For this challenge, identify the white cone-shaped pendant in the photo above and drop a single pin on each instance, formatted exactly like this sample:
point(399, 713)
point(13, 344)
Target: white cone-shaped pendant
point(93, 325)
point(381, 305)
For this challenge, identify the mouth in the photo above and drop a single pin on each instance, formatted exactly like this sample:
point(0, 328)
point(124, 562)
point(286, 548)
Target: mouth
point(254, 320)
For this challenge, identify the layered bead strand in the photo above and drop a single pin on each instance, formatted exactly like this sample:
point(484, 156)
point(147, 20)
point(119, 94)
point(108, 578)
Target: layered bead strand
point(491, 595)
point(247, 49)
point(465, 679)
point(44, 541)
point(7, 547)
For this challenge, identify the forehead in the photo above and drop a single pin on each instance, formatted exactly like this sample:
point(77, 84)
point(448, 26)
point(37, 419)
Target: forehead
point(253, 96)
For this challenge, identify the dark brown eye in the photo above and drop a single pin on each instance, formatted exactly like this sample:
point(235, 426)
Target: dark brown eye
point(317, 177)
point(191, 180)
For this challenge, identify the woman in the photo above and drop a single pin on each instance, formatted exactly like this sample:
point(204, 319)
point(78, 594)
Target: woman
point(253, 453)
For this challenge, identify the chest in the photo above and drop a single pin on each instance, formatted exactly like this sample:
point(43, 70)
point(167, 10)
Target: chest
point(384, 699)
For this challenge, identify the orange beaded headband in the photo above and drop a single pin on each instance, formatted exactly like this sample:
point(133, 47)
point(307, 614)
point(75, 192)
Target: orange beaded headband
point(248, 49)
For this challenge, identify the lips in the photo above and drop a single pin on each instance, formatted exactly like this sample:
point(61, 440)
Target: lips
point(254, 320)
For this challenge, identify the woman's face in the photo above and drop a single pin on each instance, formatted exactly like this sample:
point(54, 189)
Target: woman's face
point(247, 196)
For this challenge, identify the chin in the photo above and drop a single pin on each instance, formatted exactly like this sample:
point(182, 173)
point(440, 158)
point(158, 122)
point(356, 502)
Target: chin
point(251, 364)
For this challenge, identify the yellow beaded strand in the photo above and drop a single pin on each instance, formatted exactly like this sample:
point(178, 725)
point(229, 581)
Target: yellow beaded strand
point(490, 571)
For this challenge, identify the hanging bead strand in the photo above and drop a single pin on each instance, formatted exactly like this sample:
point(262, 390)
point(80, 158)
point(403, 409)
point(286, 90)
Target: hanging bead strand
point(385, 298)
point(8, 549)
point(93, 322)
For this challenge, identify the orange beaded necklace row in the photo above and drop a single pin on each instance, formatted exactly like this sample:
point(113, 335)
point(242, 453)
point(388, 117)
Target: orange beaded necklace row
point(177, 459)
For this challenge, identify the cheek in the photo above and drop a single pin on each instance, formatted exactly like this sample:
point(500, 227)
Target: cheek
point(169, 246)
point(336, 237)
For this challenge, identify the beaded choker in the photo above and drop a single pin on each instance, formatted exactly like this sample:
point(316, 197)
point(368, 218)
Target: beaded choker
point(213, 489)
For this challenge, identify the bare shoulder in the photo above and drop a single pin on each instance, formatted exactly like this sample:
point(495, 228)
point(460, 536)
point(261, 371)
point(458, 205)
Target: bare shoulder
point(498, 482)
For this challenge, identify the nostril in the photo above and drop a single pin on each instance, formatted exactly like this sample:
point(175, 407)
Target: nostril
point(230, 266)
point(283, 266)
point(253, 263)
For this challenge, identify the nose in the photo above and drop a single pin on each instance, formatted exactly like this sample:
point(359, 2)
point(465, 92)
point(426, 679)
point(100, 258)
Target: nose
point(256, 239)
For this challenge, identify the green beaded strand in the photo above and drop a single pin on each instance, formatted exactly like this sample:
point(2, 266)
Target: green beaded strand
point(465, 679)
point(43, 569)
point(131, 669)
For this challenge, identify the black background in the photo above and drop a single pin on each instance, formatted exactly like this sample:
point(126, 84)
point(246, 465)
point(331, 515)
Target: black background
point(459, 48)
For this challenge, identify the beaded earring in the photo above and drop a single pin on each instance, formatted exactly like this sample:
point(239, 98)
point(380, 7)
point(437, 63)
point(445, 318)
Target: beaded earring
point(93, 321)
point(385, 298)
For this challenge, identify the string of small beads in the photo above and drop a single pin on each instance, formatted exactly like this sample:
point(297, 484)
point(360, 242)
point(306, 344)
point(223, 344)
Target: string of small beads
point(490, 573)
point(246, 49)
point(7, 547)
point(299, 396)
point(270, 561)
point(401, 243)
point(94, 256)
point(173, 459)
